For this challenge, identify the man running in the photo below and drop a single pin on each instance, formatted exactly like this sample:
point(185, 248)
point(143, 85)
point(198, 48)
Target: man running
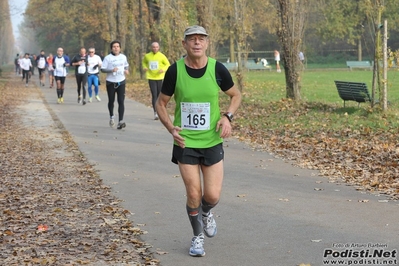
point(41, 66)
point(26, 66)
point(94, 66)
point(198, 129)
point(60, 63)
point(50, 69)
point(155, 65)
point(80, 63)
point(116, 66)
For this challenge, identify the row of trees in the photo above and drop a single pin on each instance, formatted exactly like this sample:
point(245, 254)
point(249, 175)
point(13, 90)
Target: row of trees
point(237, 27)
point(7, 39)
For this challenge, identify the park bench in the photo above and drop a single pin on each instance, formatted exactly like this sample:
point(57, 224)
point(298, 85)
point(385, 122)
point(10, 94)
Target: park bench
point(257, 66)
point(353, 91)
point(230, 66)
point(359, 64)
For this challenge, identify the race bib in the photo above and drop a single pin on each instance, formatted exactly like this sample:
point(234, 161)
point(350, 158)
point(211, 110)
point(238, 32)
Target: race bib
point(119, 72)
point(82, 69)
point(195, 116)
point(41, 63)
point(153, 65)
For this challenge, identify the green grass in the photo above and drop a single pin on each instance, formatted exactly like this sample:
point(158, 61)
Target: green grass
point(315, 85)
point(321, 108)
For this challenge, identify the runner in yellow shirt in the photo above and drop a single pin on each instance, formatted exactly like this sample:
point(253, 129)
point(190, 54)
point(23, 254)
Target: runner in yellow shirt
point(155, 65)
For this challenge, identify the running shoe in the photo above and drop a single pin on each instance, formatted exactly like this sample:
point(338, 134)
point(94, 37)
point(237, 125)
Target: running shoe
point(111, 121)
point(79, 98)
point(84, 101)
point(62, 99)
point(98, 98)
point(197, 246)
point(59, 100)
point(90, 100)
point(156, 116)
point(210, 228)
point(121, 125)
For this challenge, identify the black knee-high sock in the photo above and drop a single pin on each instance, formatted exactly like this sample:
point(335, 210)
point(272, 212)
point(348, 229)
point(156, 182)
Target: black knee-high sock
point(207, 207)
point(59, 93)
point(195, 219)
point(62, 92)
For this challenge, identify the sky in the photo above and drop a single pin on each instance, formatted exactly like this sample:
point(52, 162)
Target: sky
point(17, 8)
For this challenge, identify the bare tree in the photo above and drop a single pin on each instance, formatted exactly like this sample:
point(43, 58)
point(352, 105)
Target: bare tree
point(292, 15)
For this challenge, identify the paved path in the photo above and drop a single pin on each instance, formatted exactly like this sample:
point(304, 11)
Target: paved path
point(269, 214)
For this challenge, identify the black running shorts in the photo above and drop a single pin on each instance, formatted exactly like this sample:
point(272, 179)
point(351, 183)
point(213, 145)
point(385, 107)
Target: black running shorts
point(194, 156)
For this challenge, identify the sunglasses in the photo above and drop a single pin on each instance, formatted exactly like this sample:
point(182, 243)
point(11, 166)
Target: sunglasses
point(91, 52)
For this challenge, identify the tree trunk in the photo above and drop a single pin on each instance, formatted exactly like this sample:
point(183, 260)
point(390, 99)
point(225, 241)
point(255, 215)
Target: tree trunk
point(111, 19)
point(132, 42)
point(120, 23)
point(141, 47)
point(232, 52)
point(377, 50)
point(240, 39)
point(385, 70)
point(359, 49)
point(292, 15)
point(154, 11)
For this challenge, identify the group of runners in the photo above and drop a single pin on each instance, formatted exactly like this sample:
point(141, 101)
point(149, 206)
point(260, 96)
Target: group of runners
point(25, 66)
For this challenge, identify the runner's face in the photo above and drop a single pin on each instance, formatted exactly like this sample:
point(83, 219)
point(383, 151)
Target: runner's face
point(116, 49)
point(155, 48)
point(91, 52)
point(60, 52)
point(196, 45)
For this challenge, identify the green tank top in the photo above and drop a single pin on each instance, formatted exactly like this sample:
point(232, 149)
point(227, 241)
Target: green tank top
point(197, 106)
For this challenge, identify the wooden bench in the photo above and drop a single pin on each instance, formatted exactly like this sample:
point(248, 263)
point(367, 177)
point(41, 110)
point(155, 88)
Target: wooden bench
point(353, 91)
point(359, 64)
point(257, 66)
point(230, 66)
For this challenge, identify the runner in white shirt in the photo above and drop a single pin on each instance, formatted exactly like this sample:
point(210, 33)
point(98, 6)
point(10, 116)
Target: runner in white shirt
point(26, 64)
point(116, 66)
point(41, 66)
point(94, 65)
point(60, 63)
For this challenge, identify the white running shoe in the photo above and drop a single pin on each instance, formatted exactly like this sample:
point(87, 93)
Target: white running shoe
point(197, 246)
point(98, 98)
point(111, 121)
point(210, 228)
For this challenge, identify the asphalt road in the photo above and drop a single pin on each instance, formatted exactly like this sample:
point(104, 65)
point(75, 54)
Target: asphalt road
point(271, 212)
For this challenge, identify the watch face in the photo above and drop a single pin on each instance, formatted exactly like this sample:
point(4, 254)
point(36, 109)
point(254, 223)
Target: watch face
point(229, 116)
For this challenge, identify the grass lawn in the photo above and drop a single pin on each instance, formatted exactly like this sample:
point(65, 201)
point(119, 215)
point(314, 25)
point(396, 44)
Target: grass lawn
point(264, 93)
point(317, 85)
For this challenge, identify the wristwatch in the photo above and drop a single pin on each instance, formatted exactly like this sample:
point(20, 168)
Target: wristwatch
point(229, 116)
